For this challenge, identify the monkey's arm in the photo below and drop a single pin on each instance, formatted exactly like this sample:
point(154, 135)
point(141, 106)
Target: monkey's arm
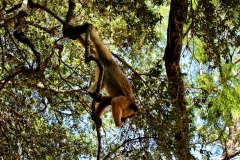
point(106, 101)
point(119, 104)
point(102, 51)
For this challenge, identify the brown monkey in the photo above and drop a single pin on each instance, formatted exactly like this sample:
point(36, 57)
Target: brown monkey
point(115, 82)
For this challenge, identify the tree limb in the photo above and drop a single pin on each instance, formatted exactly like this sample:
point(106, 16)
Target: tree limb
point(9, 78)
point(75, 33)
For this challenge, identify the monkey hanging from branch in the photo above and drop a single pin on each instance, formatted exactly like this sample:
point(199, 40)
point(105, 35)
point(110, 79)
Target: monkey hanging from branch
point(120, 99)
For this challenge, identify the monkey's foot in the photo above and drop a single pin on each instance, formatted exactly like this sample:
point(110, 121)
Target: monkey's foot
point(84, 28)
point(119, 125)
point(88, 25)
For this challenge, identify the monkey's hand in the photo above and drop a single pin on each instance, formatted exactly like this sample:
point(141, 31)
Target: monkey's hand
point(120, 124)
point(83, 28)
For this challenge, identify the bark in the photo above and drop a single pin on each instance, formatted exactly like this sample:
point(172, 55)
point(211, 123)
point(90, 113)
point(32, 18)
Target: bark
point(177, 16)
point(230, 147)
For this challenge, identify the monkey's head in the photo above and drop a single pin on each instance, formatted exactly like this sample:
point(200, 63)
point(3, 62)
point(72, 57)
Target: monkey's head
point(129, 112)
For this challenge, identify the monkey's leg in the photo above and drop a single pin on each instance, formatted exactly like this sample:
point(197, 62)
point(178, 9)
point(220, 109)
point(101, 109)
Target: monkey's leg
point(83, 43)
point(106, 101)
point(101, 51)
point(118, 104)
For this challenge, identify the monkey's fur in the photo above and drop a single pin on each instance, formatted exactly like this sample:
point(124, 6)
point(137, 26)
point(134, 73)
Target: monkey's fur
point(114, 81)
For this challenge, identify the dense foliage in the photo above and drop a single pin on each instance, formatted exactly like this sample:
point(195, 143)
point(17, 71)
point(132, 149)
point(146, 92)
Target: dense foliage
point(182, 58)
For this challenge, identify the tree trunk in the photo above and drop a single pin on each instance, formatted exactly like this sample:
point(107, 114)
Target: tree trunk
point(177, 17)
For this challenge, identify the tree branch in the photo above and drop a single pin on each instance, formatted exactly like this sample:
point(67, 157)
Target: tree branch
point(3, 53)
point(228, 156)
point(177, 18)
point(36, 5)
point(75, 33)
point(50, 31)
point(9, 78)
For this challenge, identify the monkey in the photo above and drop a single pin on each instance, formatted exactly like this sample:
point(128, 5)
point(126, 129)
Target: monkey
point(120, 99)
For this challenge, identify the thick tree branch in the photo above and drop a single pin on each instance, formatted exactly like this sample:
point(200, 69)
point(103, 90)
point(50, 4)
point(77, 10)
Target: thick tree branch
point(14, 8)
point(177, 17)
point(228, 155)
point(22, 38)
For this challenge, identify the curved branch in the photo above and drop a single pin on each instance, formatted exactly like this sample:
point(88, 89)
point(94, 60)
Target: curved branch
point(36, 5)
point(9, 78)
point(22, 38)
point(19, 35)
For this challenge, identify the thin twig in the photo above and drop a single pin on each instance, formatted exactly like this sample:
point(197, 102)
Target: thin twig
point(125, 142)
